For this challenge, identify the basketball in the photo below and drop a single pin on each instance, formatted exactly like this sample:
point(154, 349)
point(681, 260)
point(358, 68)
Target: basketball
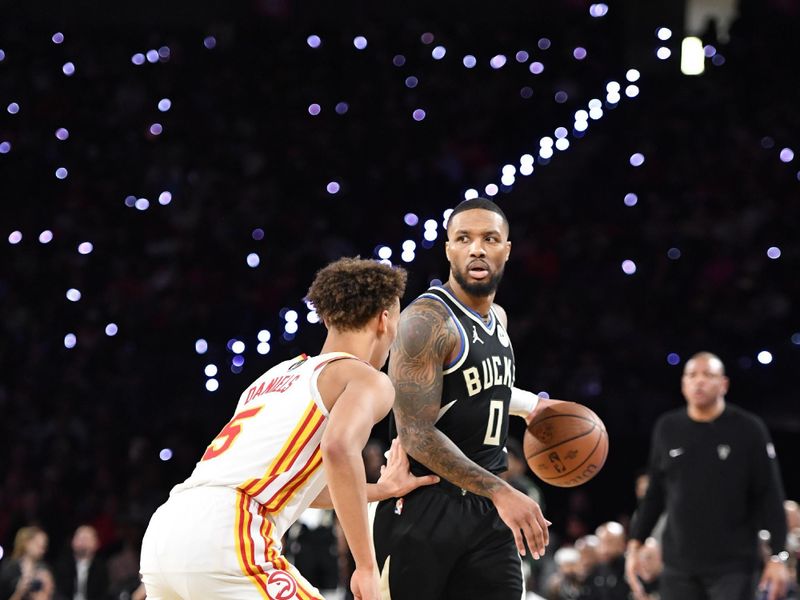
point(566, 444)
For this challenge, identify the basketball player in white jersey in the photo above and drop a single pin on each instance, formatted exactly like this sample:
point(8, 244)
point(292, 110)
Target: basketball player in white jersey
point(294, 441)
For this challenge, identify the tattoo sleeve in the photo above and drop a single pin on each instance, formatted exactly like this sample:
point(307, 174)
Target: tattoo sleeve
point(426, 338)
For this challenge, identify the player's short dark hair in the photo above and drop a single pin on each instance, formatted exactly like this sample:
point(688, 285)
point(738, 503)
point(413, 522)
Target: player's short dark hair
point(479, 203)
point(350, 291)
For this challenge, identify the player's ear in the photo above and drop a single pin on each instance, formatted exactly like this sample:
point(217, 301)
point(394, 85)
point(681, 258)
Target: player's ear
point(508, 249)
point(383, 321)
point(725, 385)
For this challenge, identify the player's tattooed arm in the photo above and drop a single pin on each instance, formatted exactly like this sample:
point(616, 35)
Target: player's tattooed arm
point(426, 338)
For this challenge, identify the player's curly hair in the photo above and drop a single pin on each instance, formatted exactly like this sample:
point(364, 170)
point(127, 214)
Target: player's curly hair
point(350, 291)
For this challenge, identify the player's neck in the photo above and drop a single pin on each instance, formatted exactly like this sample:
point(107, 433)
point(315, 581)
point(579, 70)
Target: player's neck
point(480, 304)
point(708, 413)
point(358, 343)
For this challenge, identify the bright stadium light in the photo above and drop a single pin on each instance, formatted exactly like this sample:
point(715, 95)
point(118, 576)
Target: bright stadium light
point(693, 57)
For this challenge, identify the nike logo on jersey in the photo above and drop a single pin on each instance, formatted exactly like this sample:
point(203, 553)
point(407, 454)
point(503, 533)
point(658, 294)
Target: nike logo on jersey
point(475, 337)
point(675, 452)
point(444, 409)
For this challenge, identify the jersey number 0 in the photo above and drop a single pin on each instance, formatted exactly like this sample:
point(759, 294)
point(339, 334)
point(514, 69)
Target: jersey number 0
point(494, 426)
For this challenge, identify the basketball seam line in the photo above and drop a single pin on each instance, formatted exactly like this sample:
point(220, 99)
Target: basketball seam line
point(582, 418)
point(580, 465)
point(587, 432)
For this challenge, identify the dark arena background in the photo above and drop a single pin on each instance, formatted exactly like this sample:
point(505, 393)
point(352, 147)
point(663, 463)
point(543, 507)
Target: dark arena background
point(172, 175)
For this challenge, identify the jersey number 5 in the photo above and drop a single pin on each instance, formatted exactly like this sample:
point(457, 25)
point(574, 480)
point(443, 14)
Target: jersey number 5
point(225, 438)
point(494, 426)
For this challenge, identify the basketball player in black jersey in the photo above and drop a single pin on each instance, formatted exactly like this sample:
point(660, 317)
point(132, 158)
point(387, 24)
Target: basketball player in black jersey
point(453, 371)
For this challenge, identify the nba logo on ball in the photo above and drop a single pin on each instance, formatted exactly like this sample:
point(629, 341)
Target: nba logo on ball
point(566, 444)
point(281, 586)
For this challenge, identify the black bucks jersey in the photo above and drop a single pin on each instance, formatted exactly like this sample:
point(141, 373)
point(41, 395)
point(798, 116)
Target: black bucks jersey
point(476, 388)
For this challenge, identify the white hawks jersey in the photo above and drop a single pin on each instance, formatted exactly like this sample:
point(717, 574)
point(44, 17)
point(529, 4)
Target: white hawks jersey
point(269, 452)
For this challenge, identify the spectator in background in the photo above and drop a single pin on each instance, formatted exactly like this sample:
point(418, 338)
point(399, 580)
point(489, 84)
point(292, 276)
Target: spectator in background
point(25, 576)
point(568, 582)
point(587, 547)
point(534, 571)
point(792, 510)
point(517, 473)
point(374, 459)
point(713, 469)
point(651, 567)
point(607, 581)
point(82, 575)
point(311, 546)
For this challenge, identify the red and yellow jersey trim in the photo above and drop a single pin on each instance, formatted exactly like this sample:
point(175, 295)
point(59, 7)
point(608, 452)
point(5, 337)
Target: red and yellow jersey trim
point(245, 550)
point(296, 442)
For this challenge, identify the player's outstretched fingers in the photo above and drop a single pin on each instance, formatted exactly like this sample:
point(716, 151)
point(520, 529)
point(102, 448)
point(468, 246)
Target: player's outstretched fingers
point(544, 524)
point(533, 535)
point(427, 480)
point(530, 533)
point(518, 540)
point(391, 453)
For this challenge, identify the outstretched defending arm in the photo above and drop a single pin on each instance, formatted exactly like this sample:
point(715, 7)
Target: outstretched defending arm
point(396, 480)
point(425, 339)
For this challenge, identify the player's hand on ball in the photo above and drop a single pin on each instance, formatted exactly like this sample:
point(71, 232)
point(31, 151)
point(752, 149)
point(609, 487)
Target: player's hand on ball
point(396, 479)
point(540, 407)
point(525, 519)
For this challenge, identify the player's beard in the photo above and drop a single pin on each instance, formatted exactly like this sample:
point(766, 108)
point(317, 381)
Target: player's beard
point(478, 289)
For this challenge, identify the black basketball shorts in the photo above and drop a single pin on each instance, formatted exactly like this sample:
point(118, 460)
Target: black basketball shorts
point(438, 543)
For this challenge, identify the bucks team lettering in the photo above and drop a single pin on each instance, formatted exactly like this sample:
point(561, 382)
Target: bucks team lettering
point(496, 370)
point(275, 386)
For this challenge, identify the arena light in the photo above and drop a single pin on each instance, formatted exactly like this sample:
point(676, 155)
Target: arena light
point(693, 58)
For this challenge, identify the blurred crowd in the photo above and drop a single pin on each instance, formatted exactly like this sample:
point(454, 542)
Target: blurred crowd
point(589, 567)
point(85, 428)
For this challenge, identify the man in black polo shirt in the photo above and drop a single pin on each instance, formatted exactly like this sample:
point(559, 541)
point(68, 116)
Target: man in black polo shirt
point(713, 469)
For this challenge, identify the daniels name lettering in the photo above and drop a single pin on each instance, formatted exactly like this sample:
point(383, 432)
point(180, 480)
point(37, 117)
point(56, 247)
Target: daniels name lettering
point(276, 385)
point(495, 370)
